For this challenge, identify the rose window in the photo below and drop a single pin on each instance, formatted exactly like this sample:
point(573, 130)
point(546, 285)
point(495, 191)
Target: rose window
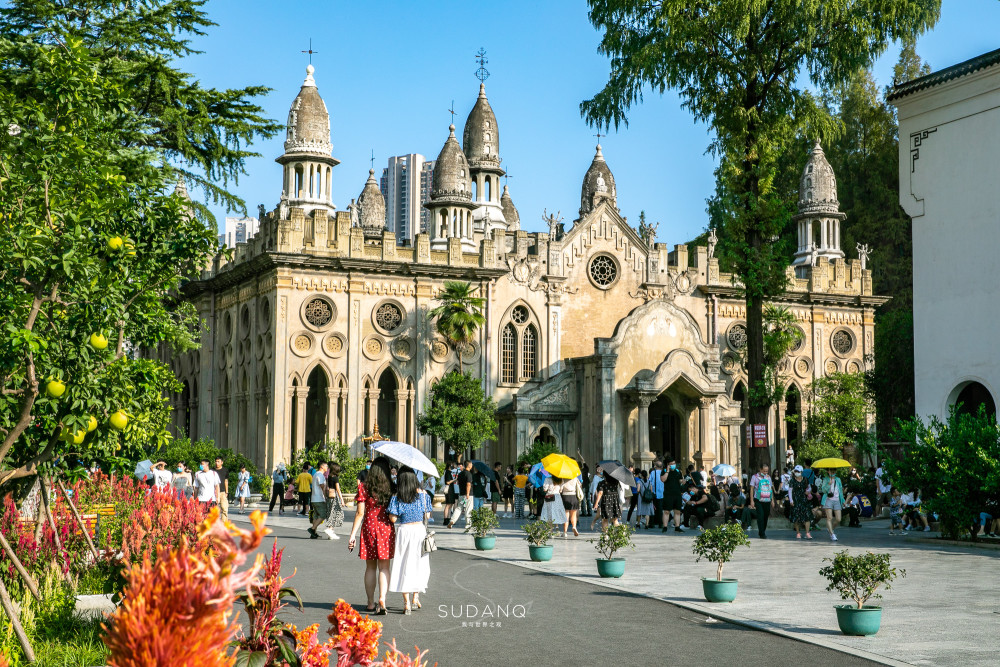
point(737, 337)
point(519, 315)
point(318, 313)
point(843, 342)
point(388, 316)
point(603, 270)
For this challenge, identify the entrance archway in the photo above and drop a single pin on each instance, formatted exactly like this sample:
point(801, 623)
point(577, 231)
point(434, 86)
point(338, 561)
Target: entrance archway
point(316, 407)
point(386, 411)
point(665, 428)
point(971, 396)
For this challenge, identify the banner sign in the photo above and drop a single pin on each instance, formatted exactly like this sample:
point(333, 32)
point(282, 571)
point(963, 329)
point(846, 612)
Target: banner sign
point(756, 435)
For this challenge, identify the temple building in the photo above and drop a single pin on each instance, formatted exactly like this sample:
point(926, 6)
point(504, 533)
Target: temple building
point(596, 338)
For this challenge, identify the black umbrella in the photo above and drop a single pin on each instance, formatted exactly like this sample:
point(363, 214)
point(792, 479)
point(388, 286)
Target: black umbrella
point(484, 468)
point(618, 471)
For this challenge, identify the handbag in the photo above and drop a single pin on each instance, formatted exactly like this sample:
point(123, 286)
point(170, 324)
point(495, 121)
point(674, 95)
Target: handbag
point(429, 545)
point(336, 519)
point(579, 493)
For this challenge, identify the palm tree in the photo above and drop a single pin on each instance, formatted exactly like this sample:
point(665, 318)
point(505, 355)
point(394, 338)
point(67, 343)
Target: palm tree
point(459, 315)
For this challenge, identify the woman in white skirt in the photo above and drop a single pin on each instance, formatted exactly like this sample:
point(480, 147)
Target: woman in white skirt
point(411, 568)
point(552, 509)
point(831, 490)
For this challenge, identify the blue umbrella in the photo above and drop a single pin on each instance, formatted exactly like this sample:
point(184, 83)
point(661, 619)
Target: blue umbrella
point(144, 469)
point(537, 475)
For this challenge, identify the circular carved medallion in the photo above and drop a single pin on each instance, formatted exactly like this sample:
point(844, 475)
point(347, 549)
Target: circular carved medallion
point(402, 349)
point(519, 315)
point(301, 343)
point(439, 350)
point(737, 336)
point(854, 366)
point(334, 345)
point(373, 347)
point(802, 367)
point(831, 366)
point(264, 314)
point(842, 342)
point(729, 364)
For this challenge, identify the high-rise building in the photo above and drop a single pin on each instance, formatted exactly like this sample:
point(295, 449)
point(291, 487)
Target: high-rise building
point(406, 186)
point(238, 230)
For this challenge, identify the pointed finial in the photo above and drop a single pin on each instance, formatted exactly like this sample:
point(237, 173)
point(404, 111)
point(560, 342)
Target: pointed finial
point(451, 129)
point(309, 81)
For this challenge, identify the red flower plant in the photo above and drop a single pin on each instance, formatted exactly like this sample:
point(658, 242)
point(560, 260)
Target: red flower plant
point(163, 520)
point(396, 658)
point(355, 638)
point(177, 611)
point(311, 652)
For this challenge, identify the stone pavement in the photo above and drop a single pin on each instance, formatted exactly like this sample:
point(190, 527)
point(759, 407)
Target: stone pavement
point(945, 611)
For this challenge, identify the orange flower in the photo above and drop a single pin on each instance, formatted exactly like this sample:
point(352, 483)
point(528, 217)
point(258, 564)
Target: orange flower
point(356, 638)
point(177, 610)
point(311, 652)
point(396, 658)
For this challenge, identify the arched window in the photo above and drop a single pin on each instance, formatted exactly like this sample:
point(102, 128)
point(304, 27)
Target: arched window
point(529, 345)
point(489, 189)
point(443, 228)
point(475, 190)
point(507, 371)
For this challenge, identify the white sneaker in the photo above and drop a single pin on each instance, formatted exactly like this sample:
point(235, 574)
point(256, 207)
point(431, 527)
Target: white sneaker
point(684, 528)
point(331, 534)
point(927, 529)
point(833, 537)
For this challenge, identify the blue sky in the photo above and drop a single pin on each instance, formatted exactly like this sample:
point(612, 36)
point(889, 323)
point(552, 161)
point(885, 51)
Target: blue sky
point(389, 71)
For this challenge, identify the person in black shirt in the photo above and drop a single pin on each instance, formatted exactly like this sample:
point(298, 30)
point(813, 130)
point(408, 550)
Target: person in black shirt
point(697, 504)
point(223, 474)
point(463, 505)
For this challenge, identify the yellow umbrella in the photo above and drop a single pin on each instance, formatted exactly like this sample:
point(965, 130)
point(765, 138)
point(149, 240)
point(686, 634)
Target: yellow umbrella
point(831, 463)
point(560, 465)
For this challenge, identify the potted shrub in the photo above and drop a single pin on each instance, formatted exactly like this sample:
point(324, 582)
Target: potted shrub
point(858, 578)
point(482, 522)
point(717, 545)
point(610, 542)
point(537, 535)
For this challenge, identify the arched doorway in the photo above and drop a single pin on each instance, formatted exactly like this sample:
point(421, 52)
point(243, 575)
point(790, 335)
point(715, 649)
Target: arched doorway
point(388, 425)
point(294, 416)
point(973, 395)
point(545, 436)
point(316, 407)
point(665, 428)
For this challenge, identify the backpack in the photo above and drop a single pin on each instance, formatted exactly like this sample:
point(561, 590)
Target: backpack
point(712, 504)
point(764, 489)
point(647, 493)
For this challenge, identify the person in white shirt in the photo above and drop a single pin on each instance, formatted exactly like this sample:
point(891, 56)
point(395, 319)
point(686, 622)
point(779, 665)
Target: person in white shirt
point(320, 500)
point(162, 477)
point(884, 490)
point(206, 483)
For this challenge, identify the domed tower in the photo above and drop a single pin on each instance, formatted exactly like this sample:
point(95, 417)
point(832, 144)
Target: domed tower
point(481, 144)
point(451, 202)
point(308, 161)
point(371, 208)
point(818, 214)
point(598, 185)
point(509, 211)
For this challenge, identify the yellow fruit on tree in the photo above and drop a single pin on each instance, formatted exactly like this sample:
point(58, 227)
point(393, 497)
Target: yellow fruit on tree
point(91, 423)
point(115, 243)
point(55, 388)
point(118, 420)
point(79, 436)
point(98, 341)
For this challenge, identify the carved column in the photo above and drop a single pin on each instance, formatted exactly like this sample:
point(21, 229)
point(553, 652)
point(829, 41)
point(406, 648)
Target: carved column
point(332, 423)
point(300, 422)
point(707, 441)
point(781, 432)
point(285, 437)
point(400, 434)
point(371, 396)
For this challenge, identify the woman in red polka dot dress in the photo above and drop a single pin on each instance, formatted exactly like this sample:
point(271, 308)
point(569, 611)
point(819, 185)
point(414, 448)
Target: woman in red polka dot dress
point(378, 536)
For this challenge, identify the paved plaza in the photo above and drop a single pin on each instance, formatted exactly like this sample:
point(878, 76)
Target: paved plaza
point(943, 611)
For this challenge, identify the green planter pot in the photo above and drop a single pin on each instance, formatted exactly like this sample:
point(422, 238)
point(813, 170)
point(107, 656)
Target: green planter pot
point(610, 568)
point(486, 543)
point(858, 622)
point(719, 590)
point(541, 553)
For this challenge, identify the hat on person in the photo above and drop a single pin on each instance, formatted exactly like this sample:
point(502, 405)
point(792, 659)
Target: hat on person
point(797, 469)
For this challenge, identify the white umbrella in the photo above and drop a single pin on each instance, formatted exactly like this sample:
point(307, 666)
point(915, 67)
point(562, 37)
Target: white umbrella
point(407, 455)
point(724, 470)
point(144, 469)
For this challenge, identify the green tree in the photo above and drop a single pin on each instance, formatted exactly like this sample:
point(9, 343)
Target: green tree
point(459, 315)
point(459, 413)
point(955, 465)
point(781, 335)
point(99, 125)
point(839, 414)
point(742, 67)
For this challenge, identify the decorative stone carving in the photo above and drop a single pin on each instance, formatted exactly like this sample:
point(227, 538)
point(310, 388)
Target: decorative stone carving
point(388, 317)
point(854, 366)
point(737, 336)
point(334, 345)
point(683, 283)
point(318, 312)
point(519, 315)
point(559, 397)
point(373, 347)
point(440, 350)
point(842, 342)
point(831, 366)
point(801, 343)
point(402, 348)
point(302, 343)
point(264, 314)
point(603, 271)
point(803, 367)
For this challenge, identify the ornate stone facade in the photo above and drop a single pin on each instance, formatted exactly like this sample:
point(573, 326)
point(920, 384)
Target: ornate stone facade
point(595, 338)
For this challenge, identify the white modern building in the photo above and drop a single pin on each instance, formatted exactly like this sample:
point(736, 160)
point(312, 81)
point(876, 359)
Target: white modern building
point(238, 230)
point(949, 183)
point(406, 187)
